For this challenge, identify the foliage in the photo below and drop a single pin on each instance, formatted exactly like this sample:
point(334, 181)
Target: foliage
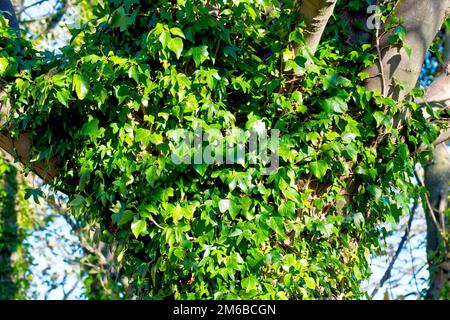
point(15, 224)
point(108, 106)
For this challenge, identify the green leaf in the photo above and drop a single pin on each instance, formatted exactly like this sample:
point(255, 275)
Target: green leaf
point(292, 65)
point(379, 117)
point(91, 129)
point(201, 168)
point(133, 74)
point(165, 38)
point(121, 20)
point(176, 45)
point(137, 227)
point(319, 168)
point(177, 32)
point(297, 97)
point(35, 193)
point(249, 284)
point(350, 152)
point(81, 86)
point(310, 283)
point(224, 205)
point(63, 96)
point(363, 75)
point(77, 201)
point(142, 135)
point(334, 105)
point(176, 212)
point(358, 219)
point(199, 54)
point(333, 81)
point(3, 65)
point(276, 224)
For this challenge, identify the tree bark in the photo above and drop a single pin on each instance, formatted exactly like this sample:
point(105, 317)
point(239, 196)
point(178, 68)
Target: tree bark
point(316, 14)
point(437, 176)
point(422, 20)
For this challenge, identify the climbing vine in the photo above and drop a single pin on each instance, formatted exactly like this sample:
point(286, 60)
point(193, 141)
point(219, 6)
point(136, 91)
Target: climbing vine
point(108, 108)
point(16, 222)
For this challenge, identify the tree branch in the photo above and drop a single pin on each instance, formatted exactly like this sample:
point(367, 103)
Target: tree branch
point(316, 14)
point(387, 273)
point(422, 20)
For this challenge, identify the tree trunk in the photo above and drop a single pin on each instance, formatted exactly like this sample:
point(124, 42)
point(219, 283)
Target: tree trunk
point(316, 14)
point(437, 176)
point(422, 20)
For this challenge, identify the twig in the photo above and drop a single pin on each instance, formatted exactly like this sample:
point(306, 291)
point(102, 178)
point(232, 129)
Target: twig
point(430, 206)
point(387, 274)
point(412, 266)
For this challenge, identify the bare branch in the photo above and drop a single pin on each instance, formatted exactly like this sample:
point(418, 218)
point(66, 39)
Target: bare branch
point(387, 273)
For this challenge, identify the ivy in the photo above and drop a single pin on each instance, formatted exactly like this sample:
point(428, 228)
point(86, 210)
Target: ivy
point(111, 104)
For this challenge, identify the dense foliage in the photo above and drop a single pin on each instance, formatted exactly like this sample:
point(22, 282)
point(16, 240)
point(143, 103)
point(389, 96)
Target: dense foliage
point(16, 221)
point(108, 107)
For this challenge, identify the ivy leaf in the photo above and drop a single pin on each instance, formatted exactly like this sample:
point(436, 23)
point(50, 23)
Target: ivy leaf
point(137, 227)
point(142, 135)
point(81, 86)
point(133, 73)
point(176, 45)
point(358, 219)
point(177, 32)
point(122, 217)
point(165, 38)
point(310, 283)
point(201, 168)
point(3, 65)
point(224, 205)
point(379, 117)
point(333, 81)
point(35, 193)
point(121, 20)
point(334, 105)
point(319, 168)
point(91, 129)
point(63, 96)
point(177, 212)
point(199, 54)
point(294, 66)
point(276, 223)
point(77, 201)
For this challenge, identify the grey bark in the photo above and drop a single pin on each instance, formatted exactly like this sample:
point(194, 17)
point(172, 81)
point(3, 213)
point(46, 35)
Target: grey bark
point(316, 14)
point(437, 176)
point(422, 20)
